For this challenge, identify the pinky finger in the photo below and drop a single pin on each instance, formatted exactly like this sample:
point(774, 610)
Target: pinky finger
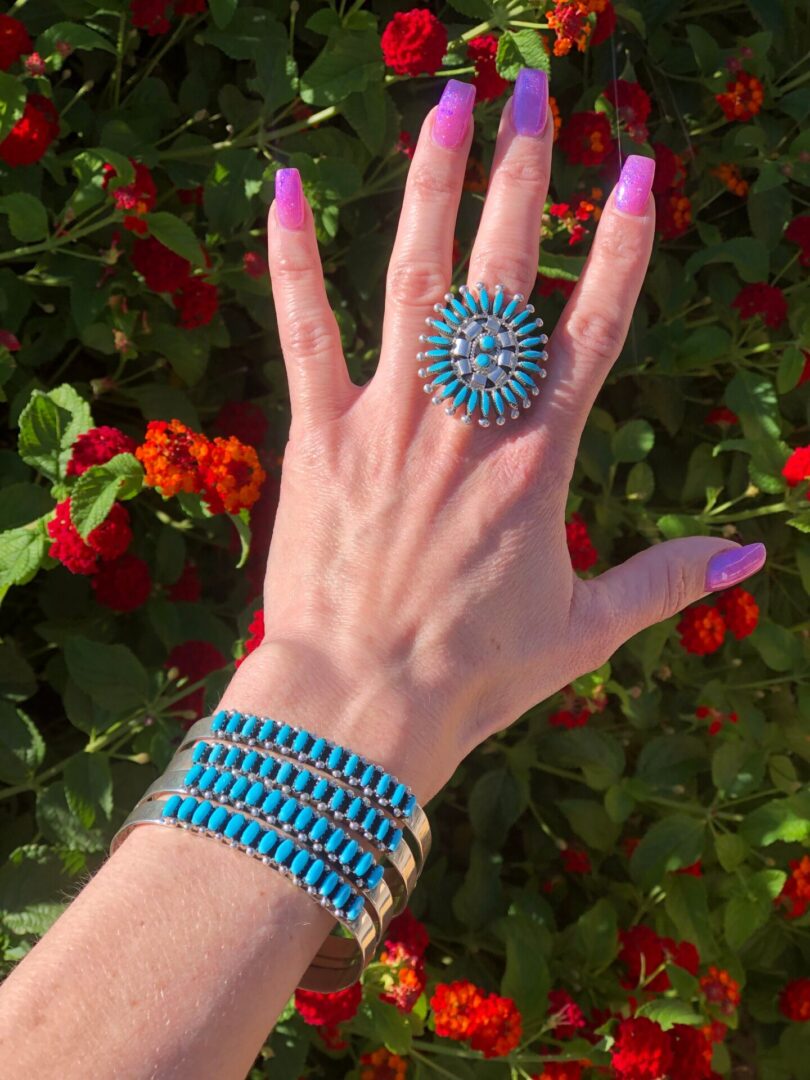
point(320, 387)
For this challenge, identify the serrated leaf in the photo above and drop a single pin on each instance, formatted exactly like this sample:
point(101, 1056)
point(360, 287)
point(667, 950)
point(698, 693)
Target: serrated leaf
point(111, 675)
point(497, 800)
point(98, 488)
point(27, 216)
point(49, 425)
point(518, 49)
point(596, 935)
point(350, 61)
point(672, 843)
point(12, 102)
point(74, 34)
point(22, 748)
point(667, 1012)
point(22, 552)
point(60, 825)
point(88, 787)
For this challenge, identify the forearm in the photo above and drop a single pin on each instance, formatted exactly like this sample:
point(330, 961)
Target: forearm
point(177, 957)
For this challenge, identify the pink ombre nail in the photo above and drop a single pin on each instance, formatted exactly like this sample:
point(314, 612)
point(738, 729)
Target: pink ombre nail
point(729, 567)
point(453, 115)
point(635, 184)
point(289, 198)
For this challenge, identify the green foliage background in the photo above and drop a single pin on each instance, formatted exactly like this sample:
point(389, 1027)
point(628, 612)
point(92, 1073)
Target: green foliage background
point(86, 715)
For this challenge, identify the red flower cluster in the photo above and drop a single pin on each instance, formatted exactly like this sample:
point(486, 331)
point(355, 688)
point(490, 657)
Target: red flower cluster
point(798, 232)
point(104, 543)
point(123, 584)
point(720, 990)
point(642, 1050)
point(488, 83)
point(583, 553)
point(153, 15)
point(225, 472)
point(703, 626)
point(195, 298)
point(586, 138)
point(730, 176)
point(96, 447)
point(743, 97)
point(547, 286)
point(715, 717)
point(795, 894)
point(194, 660)
point(797, 467)
point(188, 587)
point(414, 42)
point(794, 1001)
point(490, 1024)
point(565, 1014)
point(570, 20)
point(14, 41)
point(574, 214)
point(255, 265)
point(403, 953)
point(136, 198)
point(762, 299)
point(569, 718)
point(632, 104)
point(255, 635)
point(381, 1064)
point(328, 1009)
point(721, 415)
point(673, 207)
point(576, 861)
point(643, 954)
point(33, 133)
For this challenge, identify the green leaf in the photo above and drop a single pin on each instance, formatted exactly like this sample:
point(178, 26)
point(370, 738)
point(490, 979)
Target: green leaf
point(791, 366)
point(186, 350)
point(749, 256)
point(17, 678)
point(27, 216)
point(12, 102)
point(705, 48)
point(232, 184)
point(801, 522)
point(590, 821)
point(473, 9)
point(31, 881)
point(780, 648)
point(599, 756)
point(666, 760)
point(60, 825)
point(563, 267)
point(22, 552)
point(22, 748)
point(743, 916)
point(222, 11)
point(687, 904)
point(596, 936)
point(20, 504)
point(640, 483)
point(241, 522)
point(97, 489)
point(667, 1012)
point(73, 34)
point(526, 978)
point(368, 112)
point(518, 49)
point(781, 819)
point(632, 441)
point(49, 425)
point(732, 851)
point(349, 62)
point(176, 235)
point(479, 899)
point(88, 787)
point(496, 801)
point(671, 843)
point(111, 675)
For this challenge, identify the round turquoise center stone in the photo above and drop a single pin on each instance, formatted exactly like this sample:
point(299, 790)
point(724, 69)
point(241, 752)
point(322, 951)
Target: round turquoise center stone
point(487, 342)
point(482, 360)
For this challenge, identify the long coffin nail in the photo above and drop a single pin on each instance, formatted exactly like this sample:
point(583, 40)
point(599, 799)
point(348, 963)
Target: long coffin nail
point(635, 184)
point(729, 567)
point(453, 115)
point(289, 198)
point(530, 102)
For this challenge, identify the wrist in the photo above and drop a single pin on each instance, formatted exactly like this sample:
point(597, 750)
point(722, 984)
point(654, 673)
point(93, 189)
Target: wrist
point(379, 712)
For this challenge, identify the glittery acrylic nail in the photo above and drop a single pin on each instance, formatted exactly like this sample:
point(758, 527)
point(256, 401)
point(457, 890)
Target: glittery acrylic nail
point(729, 567)
point(453, 115)
point(635, 184)
point(530, 102)
point(289, 199)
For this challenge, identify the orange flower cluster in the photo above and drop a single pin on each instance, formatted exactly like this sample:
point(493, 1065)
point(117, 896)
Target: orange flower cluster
point(405, 978)
point(795, 894)
point(569, 19)
point(720, 990)
point(383, 1065)
point(573, 215)
point(730, 176)
point(226, 472)
point(743, 98)
point(490, 1024)
point(555, 112)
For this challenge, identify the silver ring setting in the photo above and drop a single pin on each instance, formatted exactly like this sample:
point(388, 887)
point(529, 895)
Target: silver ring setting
point(484, 353)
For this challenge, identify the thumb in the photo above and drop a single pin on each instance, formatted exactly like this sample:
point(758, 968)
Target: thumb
point(659, 582)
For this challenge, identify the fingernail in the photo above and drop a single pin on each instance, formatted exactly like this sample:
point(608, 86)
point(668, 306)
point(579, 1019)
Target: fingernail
point(289, 198)
point(736, 564)
point(453, 115)
point(530, 102)
point(635, 184)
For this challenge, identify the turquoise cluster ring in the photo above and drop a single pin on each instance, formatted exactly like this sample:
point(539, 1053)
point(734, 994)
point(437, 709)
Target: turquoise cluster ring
point(484, 356)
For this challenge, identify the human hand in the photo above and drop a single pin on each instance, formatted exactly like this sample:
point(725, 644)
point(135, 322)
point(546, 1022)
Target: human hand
point(419, 593)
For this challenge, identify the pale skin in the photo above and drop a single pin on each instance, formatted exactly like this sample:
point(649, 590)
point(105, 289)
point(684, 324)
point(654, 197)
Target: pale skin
point(419, 597)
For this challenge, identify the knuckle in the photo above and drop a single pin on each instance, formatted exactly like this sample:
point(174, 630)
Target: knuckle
point(416, 284)
point(514, 270)
point(309, 336)
point(619, 247)
point(523, 171)
point(676, 592)
point(595, 334)
point(428, 181)
point(289, 266)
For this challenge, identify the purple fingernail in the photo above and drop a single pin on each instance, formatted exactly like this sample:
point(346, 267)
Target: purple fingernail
point(530, 102)
point(453, 115)
point(736, 564)
point(635, 184)
point(289, 198)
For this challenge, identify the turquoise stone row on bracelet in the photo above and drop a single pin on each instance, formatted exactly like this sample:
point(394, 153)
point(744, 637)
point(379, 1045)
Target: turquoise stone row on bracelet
point(306, 870)
point(350, 768)
point(329, 841)
point(355, 810)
